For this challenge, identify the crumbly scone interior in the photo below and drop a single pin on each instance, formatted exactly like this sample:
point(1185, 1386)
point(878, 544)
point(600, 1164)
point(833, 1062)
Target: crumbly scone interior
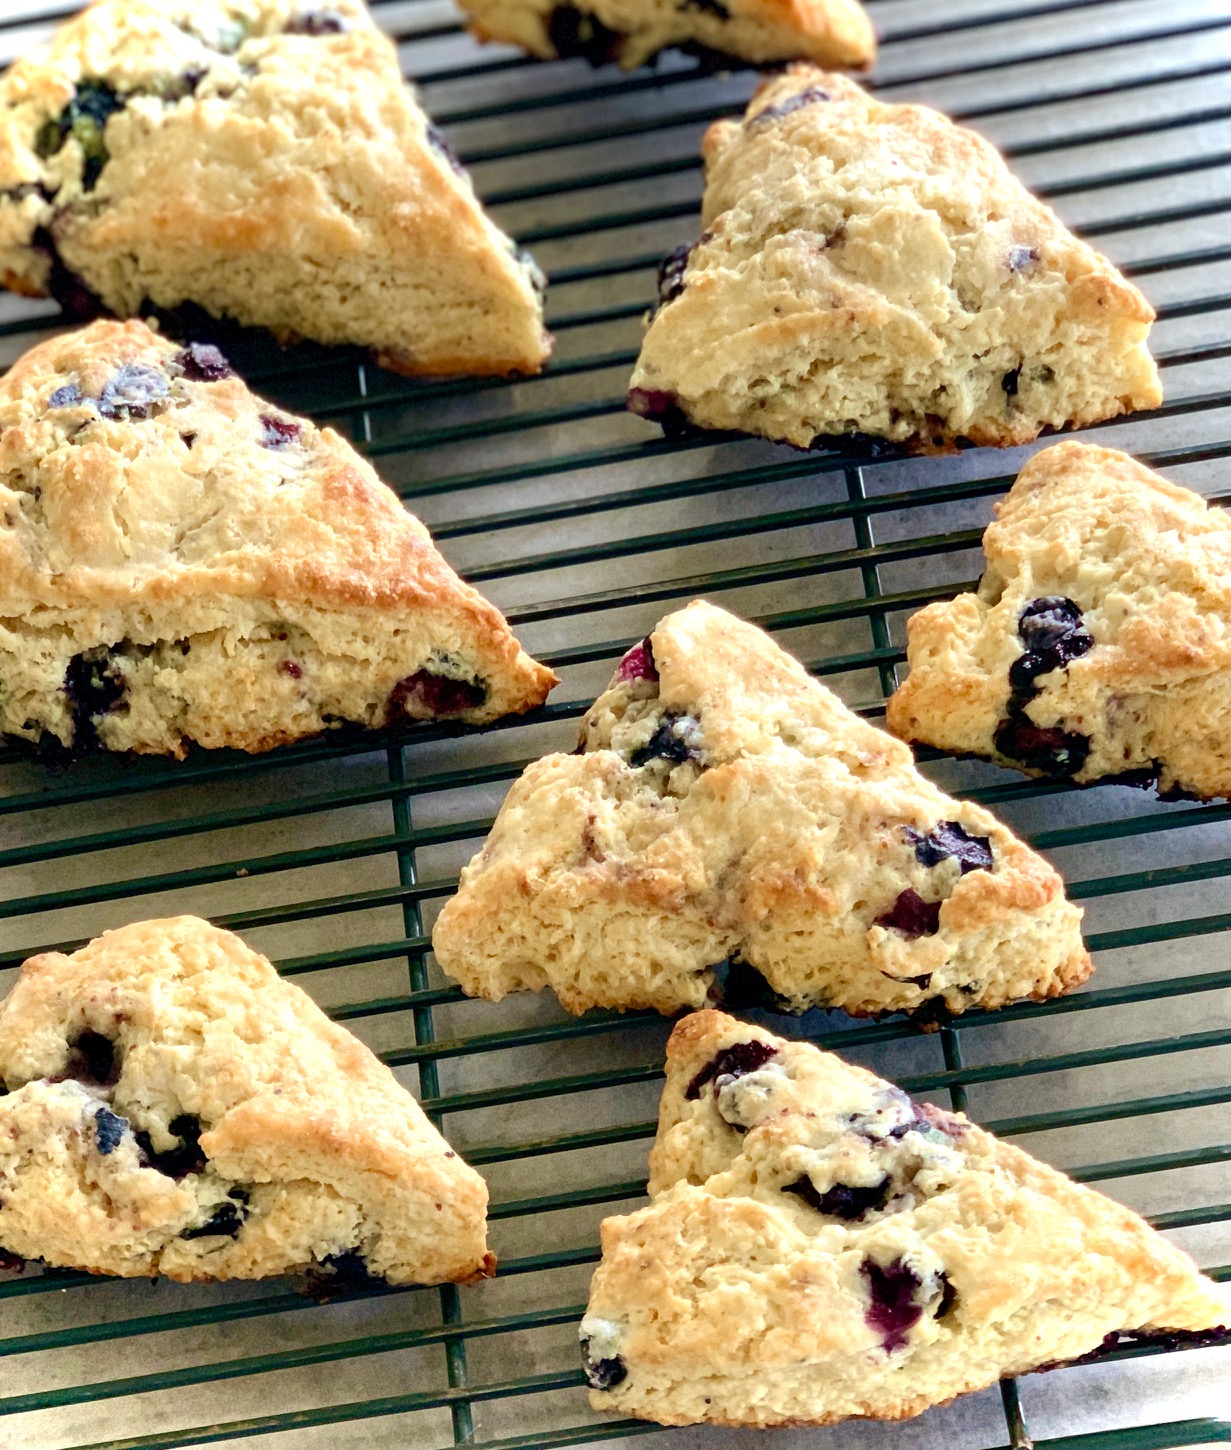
point(876, 269)
point(831, 32)
point(818, 1246)
point(171, 1107)
point(723, 805)
point(261, 159)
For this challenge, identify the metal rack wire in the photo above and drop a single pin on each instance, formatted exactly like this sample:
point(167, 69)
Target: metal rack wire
point(585, 527)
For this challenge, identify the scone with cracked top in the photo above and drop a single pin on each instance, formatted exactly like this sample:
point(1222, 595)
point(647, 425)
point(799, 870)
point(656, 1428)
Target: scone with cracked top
point(263, 160)
point(819, 1247)
point(1098, 645)
point(875, 269)
point(725, 805)
point(632, 32)
point(180, 561)
point(174, 1107)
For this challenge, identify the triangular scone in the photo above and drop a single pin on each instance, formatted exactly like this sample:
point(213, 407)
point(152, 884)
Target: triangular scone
point(631, 32)
point(181, 561)
point(261, 159)
point(872, 268)
point(819, 1247)
point(1098, 646)
point(174, 1107)
point(724, 804)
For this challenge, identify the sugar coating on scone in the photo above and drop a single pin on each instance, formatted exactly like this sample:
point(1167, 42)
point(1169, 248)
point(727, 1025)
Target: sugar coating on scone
point(1098, 645)
point(875, 269)
point(726, 805)
point(174, 1107)
point(631, 32)
point(181, 561)
point(263, 160)
point(819, 1247)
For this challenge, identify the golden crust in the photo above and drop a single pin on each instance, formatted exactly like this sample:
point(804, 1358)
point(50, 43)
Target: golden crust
point(298, 1122)
point(183, 515)
point(875, 268)
point(743, 1295)
point(761, 32)
point(768, 822)
point(1148, 565)
point(283, 178)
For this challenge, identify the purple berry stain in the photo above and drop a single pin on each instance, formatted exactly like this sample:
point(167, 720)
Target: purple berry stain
point(911, 915)
point(894, 1309)
point(427, 696)
point(134, 392)
point(731, 1062)
point(278, 433)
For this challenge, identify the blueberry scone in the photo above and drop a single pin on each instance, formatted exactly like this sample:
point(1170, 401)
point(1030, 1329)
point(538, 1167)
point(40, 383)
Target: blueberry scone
point(871, 268)
point(819, 1247)
point(174, 1107)
point(180, 561)
point(631, 32)
point(1098, 645)
point(724, 805)
point(260, 159)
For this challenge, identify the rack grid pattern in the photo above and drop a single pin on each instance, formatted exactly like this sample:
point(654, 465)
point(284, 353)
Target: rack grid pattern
point(585, 527)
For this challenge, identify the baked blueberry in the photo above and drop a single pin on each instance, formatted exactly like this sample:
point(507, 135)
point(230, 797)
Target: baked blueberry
point(732, 1062)
point(426, 695)
point(848, 1201)
point(894, 1308)
point(673, 741)
point(225, 1221)
point(671, 273)
point(202, 362)
point(69, 396)
point(134, 391)
point(950, 841)
point(911, 915)
point(185, 1157)
point(94, 686)
point(1020, 257)
point(85, 120)
point(109, 1129)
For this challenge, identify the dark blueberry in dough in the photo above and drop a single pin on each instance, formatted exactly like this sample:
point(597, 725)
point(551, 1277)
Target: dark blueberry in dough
point(741, 986)
point(94, 687)
point(935, 1012)
point(225, 1221)
point(951, 841)
point(812, 96)
point(85, 119)
point(672, 741)
point(911, 915)
point(844, 1200)
point(1010, 381)
point(186, 1157)
point(1054, 634)
point(1020, 257)
point(1051, 750)
point(290, 667)
point(278, 433)
point(671, 273)
point(202, 362)
point(341, 1276)
point(133, 392)
point(92, 1058)
point(109, 1129)
point(602, 1374)
point(425, 696)
point(577, 35)
point(732, 1062)
point(316, 22)
point(894, 1308)
point(69, 396)
point(437, 141)
point(638, 663)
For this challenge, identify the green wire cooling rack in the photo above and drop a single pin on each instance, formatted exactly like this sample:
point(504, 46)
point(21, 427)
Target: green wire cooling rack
point(585, 526)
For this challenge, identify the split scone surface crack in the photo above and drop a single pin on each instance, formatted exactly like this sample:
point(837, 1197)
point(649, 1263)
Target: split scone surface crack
point(174, 1107)
point(819, 1247)
point(181, 561)
point(632, 32)
point(263, 160)
point(875, 269)
point(725, 805)
point(1098, 645)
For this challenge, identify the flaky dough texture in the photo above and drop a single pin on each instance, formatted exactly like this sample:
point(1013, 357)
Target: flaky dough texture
point(819, 1247)
point(261, 159)
point(181, 561)
point(1138, 571)
point(174, 1107)
point(727, 805)
point(872, 268)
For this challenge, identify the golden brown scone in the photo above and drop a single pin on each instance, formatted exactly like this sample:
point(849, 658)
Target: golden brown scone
point(631, 32)
point(871, 268)
point(819, 1247)
point(180, 561)
point(1098, 645)
point(174, 1107)
point(261, 159)
point(727, 805)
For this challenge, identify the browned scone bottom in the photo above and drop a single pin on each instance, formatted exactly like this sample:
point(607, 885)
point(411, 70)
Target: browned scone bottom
point(183, 562)
point(173, 1107)
point(818, 1247)
point(874, 269)
point(724, 805)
